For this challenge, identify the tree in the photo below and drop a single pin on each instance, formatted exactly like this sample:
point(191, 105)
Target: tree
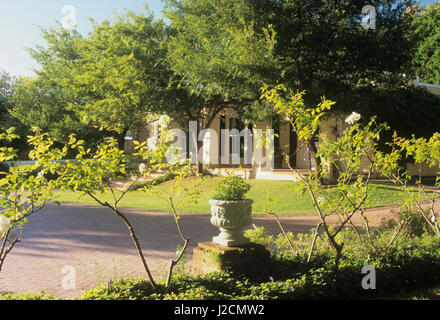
point(7, 85)
point(225, 51)
point(92, 174)
point(357, 157)
point(42, 103)
point(426, 31)
point(126, 79)
point(218, 54)
point(218, 50)
point(231, 48)
point(116, 79)
point(110, 80)
point(120, 74)
point(45, 101)
point(5, 97)
point(322, 47)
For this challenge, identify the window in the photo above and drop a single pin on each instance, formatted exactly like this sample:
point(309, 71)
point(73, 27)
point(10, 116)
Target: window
point(238, 124)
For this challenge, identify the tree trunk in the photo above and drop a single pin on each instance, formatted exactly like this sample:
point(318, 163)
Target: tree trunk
point(199, 164)
point(136, 243)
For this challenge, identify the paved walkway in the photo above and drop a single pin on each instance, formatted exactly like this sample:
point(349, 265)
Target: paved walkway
point(96, 243)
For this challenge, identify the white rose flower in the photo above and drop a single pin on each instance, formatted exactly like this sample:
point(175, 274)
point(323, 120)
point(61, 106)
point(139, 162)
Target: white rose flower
point(353, 118)
point(41, 174)
point(4, 225)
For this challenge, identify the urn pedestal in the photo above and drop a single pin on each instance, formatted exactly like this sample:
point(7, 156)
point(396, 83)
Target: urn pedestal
point(231, 217)
point(252, 261)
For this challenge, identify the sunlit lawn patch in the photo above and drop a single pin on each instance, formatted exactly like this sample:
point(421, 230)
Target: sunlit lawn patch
point(289, 201)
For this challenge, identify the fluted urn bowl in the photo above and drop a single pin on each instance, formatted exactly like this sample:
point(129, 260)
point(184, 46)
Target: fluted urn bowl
point(231, 217)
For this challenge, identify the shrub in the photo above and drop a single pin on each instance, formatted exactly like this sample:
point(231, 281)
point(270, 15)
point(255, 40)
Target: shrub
point(27, 296)
point(231, 188)
point(259, 235)
point(412, 264)
point(415, 226)
point(122, 289)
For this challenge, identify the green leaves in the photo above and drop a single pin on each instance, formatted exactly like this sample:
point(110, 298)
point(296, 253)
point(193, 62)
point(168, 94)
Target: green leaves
point(425, 30)
point(100, 85)
point(24, 189)
point(424, 151)
point(231, 188)
point(220, 51)
point(120, 73)
point(305, 120)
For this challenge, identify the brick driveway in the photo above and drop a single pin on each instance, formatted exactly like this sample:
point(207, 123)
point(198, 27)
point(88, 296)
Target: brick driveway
point(96, 243)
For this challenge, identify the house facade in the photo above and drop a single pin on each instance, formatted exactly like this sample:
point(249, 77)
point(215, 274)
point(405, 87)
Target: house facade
point(232, 144)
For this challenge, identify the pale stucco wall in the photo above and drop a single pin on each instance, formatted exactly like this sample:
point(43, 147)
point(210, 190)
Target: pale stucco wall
point(259, 148)
point(424, 170)
point(332, 127)
point(434, 90)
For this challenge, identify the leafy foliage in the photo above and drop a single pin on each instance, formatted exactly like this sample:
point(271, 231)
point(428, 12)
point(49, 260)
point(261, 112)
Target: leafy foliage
point(408, 267)
point(232, 49)
point(111, 80)
point(21, 192)
point(120, 73)
point(27, 296)
point(6, 84)
point(231, 188)
point(426, 29)
point(218, 46)
point(305, 120)
point(42, 103)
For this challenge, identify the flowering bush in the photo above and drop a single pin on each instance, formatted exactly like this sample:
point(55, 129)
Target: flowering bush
point(348, 161)
point(353, 118)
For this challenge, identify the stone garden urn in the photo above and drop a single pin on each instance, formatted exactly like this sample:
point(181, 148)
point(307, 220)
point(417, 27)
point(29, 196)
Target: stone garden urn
point(231, 217)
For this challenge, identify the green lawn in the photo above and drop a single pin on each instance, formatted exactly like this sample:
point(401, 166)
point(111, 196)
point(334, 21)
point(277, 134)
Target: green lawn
point(289, 202)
